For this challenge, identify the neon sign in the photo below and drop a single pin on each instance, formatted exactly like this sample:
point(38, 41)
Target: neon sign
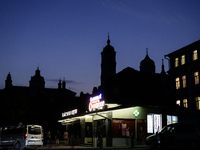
point(69, 113)
point(96, 103)
point(98, 97)
point(136, 113)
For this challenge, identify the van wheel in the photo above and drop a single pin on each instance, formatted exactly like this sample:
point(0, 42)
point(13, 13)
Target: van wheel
point(17, 146)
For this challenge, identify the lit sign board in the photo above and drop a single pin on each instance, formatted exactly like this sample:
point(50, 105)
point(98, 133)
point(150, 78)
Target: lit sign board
point(96, 103)
point(172, 119)
point(136, 113)
point(150, 123)
point(157, 123)
point(154, 123)
point(69, 113)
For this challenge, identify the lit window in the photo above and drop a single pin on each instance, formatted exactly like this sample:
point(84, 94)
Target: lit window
point(184, 81)
point(176, 62)
point(177, 83)
point(183, 60)
point(185, 104)
point(195, 55)
point(178, 102)
point(172, 119)
point(196, 78)
point(197, 102)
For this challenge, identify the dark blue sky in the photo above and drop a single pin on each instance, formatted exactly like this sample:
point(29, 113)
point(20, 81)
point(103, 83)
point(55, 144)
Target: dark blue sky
point(65, 37)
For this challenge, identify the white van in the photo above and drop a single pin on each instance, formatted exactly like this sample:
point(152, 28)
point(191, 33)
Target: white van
point(20, 137)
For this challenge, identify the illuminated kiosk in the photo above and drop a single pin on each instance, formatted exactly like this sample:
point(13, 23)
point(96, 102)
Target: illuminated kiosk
point(117, 125)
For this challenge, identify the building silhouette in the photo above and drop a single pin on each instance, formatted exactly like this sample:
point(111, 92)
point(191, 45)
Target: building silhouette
point(35, 104)
point(184, 69)
point(37, 81)
point(143, 87)
point(108, 62)
point(147, 64)
point(8, 82)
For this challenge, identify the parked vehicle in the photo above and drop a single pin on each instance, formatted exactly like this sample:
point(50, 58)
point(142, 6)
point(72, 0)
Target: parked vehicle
point(21, 136)
point(185, 134)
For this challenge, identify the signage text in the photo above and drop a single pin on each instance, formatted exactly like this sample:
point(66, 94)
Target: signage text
point(69, 113)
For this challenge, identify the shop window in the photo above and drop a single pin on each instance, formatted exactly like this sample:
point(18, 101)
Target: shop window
point(185, 103)
point(176, 62)
point(197, 102)
point(183, 60)
point(123, 128)
point(184, 81)
point(196, 78)
point(177, 83)
point(150, 123)
point(172, 119)
point(195, 55)
point(154, 123)
point(178, 102)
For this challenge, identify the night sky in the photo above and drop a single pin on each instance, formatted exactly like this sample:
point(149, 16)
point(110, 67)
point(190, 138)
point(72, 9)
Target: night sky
point(65, 38)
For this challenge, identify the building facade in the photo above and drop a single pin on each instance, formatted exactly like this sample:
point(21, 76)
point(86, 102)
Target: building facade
point(184, 70)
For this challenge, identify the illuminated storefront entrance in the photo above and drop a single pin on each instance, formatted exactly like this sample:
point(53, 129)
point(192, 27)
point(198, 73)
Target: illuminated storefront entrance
point(116, 125)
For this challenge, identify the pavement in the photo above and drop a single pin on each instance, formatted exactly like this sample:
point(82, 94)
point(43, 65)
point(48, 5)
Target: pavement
point(45, 147)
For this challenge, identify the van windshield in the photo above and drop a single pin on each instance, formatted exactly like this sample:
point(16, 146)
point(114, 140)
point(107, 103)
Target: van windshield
point(34, 130)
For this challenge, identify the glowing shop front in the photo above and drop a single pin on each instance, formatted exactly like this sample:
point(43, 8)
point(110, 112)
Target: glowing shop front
point(115, 125)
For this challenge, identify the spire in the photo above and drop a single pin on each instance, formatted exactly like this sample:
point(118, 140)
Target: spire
point(8, 82)
point(64, 84)
point(59, 84)
point(37, 72)
point(163, 68)
point(147, 51)
point(108, 41)
point(108, 62)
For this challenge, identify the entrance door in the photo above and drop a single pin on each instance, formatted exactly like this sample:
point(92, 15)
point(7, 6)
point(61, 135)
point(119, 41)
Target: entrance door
point(141, 131)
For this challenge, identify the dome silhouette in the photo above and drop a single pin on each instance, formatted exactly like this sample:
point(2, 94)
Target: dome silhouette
point(147, 64)
point(108, 47)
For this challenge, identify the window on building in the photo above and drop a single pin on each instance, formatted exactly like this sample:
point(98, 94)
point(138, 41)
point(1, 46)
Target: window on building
point(196, 77)
point(176, 62)
point(172, 119)
point(177, 83)
point(185, 104)
point(183, 60)
point(184, 81)
point(178, 102)
point(197, 102)
point(195, 55)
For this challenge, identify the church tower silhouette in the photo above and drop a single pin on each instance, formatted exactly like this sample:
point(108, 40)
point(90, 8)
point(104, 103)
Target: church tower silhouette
point(37, 81)
point(8, 82)
point(108, 62)
point(147, 64)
